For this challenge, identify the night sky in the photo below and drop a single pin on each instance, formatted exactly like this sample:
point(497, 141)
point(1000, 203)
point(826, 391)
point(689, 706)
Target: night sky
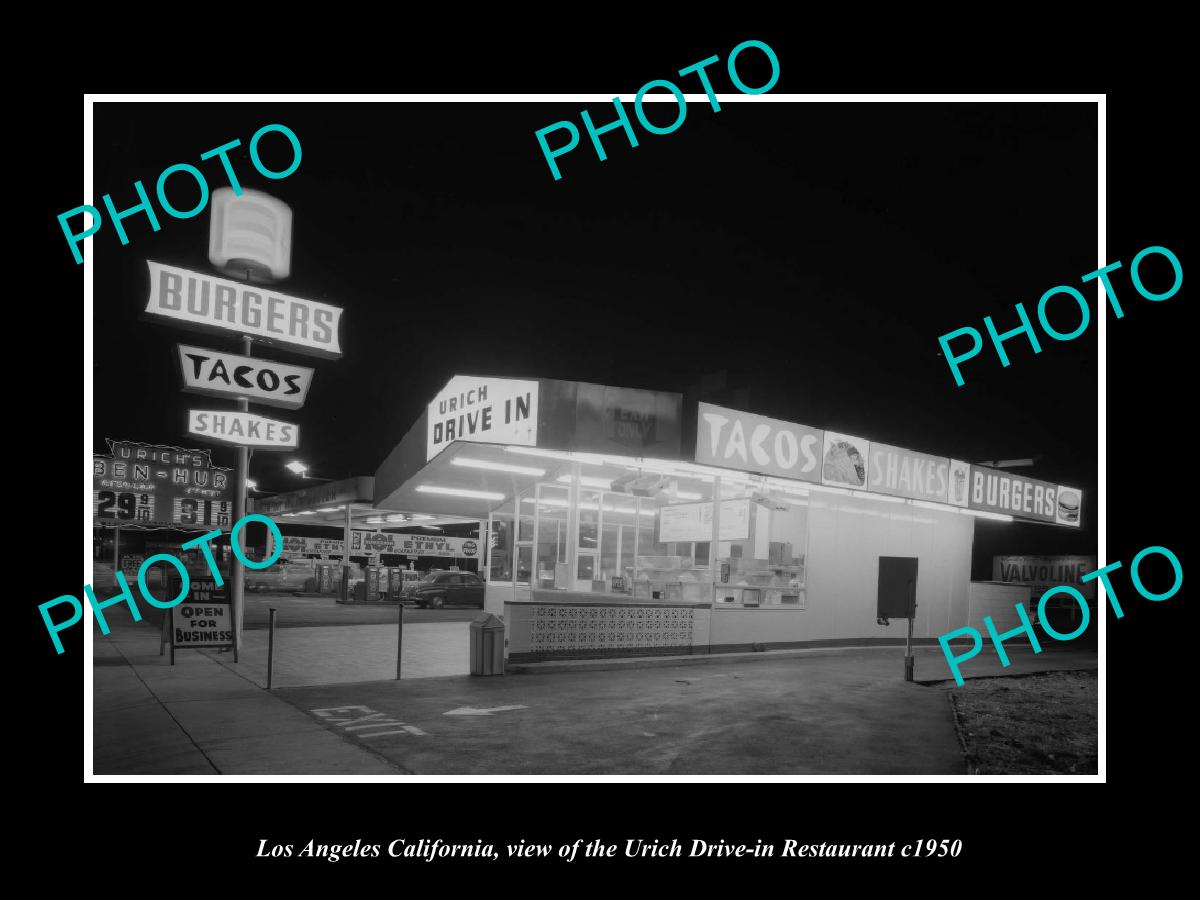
point(813, 253)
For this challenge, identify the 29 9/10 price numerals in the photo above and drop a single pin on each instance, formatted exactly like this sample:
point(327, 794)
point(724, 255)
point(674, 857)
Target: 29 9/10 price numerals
point(125, 506)
point(138, 507)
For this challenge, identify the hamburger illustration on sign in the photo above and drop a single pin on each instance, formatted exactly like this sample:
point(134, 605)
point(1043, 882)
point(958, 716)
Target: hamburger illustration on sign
point(845, 460)
point(1066, 511)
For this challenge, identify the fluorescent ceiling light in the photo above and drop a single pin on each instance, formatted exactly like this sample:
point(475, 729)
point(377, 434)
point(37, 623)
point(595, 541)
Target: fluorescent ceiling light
point(307, 512)
point(496, 467)
point(289, 514)
point(458, 492)
point(416, 517)
point(826, 489)
point(999, 517)
point(586, 481)
point(867, 495)
point(534, 451)
point(689, 495)
point(330, 508)
point(397, 517)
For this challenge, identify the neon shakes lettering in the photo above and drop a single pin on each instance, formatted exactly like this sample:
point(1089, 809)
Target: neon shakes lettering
point(954, 360)
point(907, 473)
point(126, 596)
point(233, 426)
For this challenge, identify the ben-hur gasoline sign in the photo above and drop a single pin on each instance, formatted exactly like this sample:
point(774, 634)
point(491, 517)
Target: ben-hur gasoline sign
point(156, 485)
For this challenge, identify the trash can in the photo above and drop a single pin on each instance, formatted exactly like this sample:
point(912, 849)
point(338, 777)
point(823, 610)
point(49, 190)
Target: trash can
point(487, 645)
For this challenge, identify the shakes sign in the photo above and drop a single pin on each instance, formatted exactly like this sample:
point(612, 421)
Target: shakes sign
point(907, 473)
point(217, 304)
point(483, 411)
point(244, 429)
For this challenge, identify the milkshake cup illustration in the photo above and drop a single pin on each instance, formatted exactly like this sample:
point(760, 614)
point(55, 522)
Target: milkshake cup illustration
point(960, 484)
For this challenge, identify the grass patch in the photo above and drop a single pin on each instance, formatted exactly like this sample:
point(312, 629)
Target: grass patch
point(1034, 725)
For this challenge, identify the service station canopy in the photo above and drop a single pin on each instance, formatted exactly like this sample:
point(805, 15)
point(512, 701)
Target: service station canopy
point(325, 504)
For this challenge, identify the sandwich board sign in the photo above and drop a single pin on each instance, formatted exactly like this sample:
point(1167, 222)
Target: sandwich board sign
point(203, 620)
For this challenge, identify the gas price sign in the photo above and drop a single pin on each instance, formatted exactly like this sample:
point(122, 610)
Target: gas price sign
point(154, 485)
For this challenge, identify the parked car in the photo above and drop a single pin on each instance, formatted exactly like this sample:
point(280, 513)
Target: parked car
point(438, 589)
point(282, 575)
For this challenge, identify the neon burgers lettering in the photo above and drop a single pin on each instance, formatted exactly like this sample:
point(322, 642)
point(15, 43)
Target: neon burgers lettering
point(1011, 493)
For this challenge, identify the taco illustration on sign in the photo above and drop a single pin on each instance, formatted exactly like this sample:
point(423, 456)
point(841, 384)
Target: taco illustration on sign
point(844, 464)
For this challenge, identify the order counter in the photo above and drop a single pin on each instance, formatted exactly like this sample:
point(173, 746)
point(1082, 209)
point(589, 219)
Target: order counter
point(556, 624)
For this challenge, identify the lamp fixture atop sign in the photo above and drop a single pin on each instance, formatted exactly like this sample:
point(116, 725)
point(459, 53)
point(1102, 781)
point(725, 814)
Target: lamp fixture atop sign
point(296, 466)
point(250, 235)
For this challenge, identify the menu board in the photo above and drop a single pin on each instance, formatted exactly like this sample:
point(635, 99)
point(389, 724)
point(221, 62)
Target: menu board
point(693, 521)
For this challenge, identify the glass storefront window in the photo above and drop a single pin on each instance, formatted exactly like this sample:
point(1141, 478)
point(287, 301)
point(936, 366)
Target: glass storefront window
point(501, 548)
point(552, 534)
point(525, 531)
point(617, 539)
point(524, 562)
point(589, 520)
point(764, 567)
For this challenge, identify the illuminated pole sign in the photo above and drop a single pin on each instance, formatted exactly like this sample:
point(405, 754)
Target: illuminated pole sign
point(243, 429)
point(216, 373)
point(156, 486)
point(206, 302)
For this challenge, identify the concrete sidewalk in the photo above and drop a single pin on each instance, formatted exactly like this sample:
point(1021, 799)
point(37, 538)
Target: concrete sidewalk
point(347, 653)
point(200, 718)
point(823, 710)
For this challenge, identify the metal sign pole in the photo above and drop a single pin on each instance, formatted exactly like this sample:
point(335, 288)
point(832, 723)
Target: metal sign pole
point(346, 557)
point(912, 611)
point(238, 571)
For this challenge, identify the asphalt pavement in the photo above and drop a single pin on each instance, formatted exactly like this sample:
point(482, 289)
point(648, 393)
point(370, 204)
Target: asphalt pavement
point(820, 711)
point(830, 711)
